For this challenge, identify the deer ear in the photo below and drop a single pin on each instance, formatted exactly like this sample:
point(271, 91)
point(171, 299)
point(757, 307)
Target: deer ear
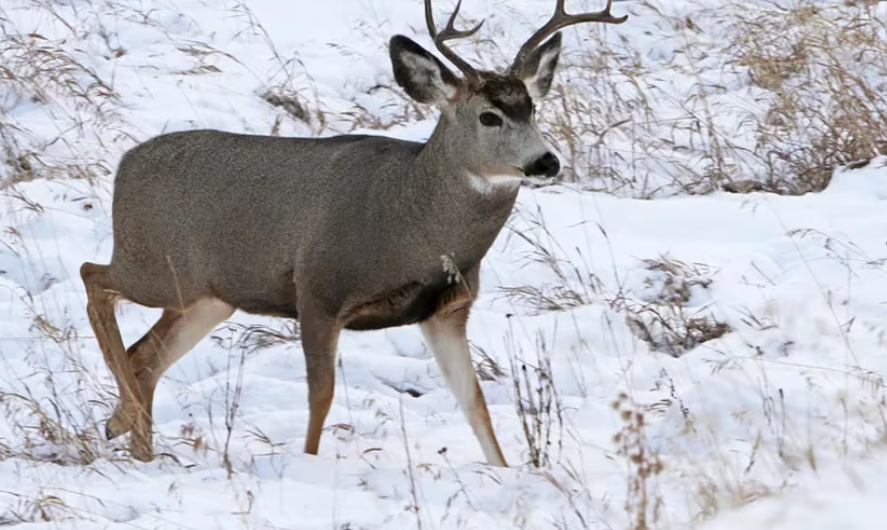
point(420, 74)
point(537, 71)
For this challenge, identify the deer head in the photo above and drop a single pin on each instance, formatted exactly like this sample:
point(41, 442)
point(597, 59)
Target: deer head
point(488, 118)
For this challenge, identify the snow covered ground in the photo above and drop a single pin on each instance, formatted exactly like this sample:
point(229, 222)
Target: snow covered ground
point(777, 423)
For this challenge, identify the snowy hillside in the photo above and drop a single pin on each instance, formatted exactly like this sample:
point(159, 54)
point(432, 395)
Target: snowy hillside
point(657, 353)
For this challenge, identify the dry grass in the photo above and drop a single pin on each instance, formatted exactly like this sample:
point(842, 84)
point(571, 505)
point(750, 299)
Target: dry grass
point(290, 88)
point(38, 70)
point(793, 92)
point(22, 509)
point(641, 505)
point(821, 66)
point(664, 316)
point(537, 403)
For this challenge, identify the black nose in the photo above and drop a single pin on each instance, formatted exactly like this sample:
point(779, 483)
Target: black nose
point(547, 165)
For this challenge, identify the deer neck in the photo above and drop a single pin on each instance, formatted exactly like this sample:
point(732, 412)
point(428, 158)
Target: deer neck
point(462, 212)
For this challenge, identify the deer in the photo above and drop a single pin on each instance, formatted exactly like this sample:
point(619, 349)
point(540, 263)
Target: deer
point(349, 232)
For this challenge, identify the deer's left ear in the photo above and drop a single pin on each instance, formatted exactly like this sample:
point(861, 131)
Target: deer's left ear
point(537, 71)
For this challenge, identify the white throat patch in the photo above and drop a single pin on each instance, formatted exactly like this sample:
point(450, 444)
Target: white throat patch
point(495, 182)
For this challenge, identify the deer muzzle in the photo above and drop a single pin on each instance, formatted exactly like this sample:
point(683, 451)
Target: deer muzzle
point(546, 165)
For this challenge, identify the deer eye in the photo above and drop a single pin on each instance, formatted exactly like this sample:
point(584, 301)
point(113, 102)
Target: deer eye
point(490, 119)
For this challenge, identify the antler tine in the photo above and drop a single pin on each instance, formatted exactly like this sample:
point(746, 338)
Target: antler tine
point(449, 33)
point(560, 19)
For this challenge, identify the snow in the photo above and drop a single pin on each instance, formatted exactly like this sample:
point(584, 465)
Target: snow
point(779, 423)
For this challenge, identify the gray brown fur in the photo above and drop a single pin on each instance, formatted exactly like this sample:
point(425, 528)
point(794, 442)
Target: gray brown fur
point(262, 212)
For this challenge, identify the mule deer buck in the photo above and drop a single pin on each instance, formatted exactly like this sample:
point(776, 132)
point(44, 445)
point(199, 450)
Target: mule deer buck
point(348, 232)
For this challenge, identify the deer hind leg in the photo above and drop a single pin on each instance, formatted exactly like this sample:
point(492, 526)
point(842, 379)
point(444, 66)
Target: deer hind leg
point(101, 300)
point(175, 334)
point(445, 333)
point(320, 337)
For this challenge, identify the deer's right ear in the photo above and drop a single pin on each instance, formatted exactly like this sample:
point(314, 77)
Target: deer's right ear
point(420, 74)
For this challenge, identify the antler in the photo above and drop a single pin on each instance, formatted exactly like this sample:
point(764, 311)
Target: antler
point(560, 19)
point(450, 33)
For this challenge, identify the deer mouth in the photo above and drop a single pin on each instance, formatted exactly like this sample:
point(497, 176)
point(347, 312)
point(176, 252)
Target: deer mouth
point(540, 181)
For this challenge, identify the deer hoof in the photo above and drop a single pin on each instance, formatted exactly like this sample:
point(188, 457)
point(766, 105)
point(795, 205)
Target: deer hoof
point(119, 423)
point(141, 453)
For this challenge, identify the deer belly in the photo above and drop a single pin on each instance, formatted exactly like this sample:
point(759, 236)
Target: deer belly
point(258, 294)
point(402, 306)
